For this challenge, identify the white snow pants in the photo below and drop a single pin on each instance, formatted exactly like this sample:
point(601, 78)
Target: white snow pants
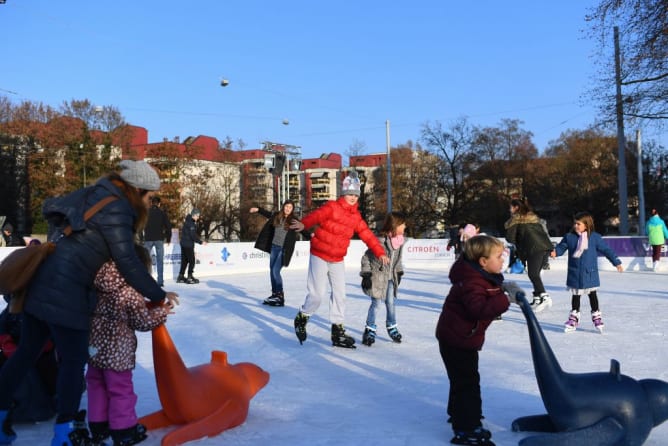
point(322, 276)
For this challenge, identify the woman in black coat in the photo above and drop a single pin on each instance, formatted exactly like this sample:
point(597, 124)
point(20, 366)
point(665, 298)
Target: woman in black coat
point(525, 230)
point(60, 298)
point(278, 240)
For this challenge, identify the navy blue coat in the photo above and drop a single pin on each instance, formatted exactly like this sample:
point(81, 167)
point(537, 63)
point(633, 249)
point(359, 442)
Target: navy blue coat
point(62, 291)
point(189, 236)
point(583, 271)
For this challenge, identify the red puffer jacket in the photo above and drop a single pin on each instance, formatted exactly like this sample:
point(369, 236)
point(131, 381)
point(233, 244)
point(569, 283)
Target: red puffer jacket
point(337, 222)
point(474, 301)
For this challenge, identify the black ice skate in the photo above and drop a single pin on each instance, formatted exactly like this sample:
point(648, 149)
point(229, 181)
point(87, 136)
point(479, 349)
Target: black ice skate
point(476, 437)
point(128, 437)
point(369, 336)
point(393, 331)
point(300, 326)
point(340, 338)
point(275, 300)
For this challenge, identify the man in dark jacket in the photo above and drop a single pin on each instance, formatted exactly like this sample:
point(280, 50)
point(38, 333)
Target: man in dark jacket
point(157, 232)
point(187, 240)
point(11, 239)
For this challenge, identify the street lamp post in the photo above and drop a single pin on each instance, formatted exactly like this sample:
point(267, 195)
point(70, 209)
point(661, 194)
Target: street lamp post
point(389, 165)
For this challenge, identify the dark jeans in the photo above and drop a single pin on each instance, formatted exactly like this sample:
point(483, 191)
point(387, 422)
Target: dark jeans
point(187, 260)
point(275, 265)
point(656, 253)
point(534, 267)
point(464, 400)
point(72, 347)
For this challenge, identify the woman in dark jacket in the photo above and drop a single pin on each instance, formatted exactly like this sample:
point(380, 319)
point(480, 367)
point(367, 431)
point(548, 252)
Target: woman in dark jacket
point(60, 299)
point(525, 230)
point(278, 240)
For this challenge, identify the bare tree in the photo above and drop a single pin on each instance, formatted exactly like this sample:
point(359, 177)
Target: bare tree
point(643, 43)
point(452, 146)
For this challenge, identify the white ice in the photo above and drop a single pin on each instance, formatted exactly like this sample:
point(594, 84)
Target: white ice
point(392, 394)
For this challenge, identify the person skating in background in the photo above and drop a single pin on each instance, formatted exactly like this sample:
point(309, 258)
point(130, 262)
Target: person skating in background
point(157, 232)
point(584, 245)
point(381, 282)
point(187, 239)
point(456, 239)
point(337, 221)
point(478, 295)
point(657, 233)
point(525, 231)
point(278, 240)
point(112, 347)
point(10, 237)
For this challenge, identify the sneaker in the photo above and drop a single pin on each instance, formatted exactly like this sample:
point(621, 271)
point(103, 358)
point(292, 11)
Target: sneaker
point(192, 279)
point(572, 322)
point(275, 300)
point(340, 338)
point(393, 331)
point(369, 336)
point(596, 319)
point(300, 326)
point(476, 437)
point(541, 302)
point(180, 279)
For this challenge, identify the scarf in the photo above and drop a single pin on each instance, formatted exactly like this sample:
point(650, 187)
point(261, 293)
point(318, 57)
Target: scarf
point(583, 244)
point(397, 241)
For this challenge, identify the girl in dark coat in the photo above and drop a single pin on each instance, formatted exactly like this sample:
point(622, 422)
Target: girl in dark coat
point(476, 298)
point(278, 240)
point(525, 230)
point(60, 299)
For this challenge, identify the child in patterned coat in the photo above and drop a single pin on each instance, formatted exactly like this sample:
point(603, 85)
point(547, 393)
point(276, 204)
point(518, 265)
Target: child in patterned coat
point(120, 311)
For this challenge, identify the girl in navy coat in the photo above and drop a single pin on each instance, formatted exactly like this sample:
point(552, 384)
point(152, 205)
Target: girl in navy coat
point(584, 245)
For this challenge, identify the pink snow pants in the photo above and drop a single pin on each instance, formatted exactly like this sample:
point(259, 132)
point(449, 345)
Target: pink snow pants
point(111, 397)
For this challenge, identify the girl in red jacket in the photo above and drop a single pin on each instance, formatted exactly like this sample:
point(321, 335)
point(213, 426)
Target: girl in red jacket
point(476, 298)
point(337, 221)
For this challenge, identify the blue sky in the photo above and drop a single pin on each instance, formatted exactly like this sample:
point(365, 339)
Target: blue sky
point(336, 70)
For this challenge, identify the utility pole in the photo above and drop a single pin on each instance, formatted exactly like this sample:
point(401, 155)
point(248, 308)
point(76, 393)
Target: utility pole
point(641, 187)
point(621, 144)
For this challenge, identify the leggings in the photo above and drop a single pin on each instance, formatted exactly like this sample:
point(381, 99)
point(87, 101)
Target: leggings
point(534, 267)
point(593, 301)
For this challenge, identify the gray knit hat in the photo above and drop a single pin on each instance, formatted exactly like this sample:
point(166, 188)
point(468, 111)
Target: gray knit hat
point(140, 175)
point(194, 212)
point(351, 184)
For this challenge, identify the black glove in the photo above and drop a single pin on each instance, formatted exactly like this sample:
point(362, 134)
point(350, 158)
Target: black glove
point(512, 289)
point(366, 281)
point(399, 276)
